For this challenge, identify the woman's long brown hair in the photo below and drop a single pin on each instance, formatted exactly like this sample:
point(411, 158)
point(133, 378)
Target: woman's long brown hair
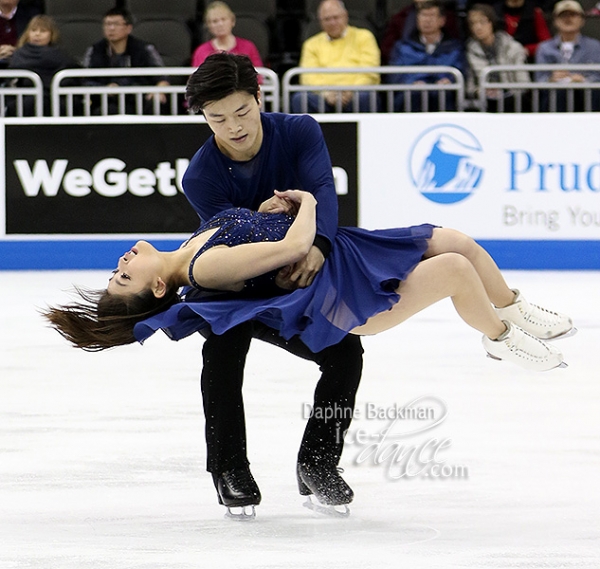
point(98, 320)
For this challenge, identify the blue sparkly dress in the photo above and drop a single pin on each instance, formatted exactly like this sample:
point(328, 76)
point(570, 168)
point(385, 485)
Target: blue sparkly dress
point(358, 280)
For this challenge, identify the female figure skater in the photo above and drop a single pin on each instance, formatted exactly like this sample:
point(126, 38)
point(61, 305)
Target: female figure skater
point(371, 281)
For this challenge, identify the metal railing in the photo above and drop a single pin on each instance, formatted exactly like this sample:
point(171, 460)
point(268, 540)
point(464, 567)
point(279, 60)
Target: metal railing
point(70, 95)
point(12, 95)
point(538, 96)
point(382, 96)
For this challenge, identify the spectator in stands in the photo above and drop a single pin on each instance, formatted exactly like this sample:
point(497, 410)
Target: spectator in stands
point(13, 21)
point(427, 46)
point(219, 19)
point(524, 20)
point(490, 46)
point(569, 46)
point(338, 45)
point(120, 49)
point(402, 25)
point(37, 52)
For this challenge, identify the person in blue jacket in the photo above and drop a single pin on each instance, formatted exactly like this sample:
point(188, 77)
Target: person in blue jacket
point(427, 46)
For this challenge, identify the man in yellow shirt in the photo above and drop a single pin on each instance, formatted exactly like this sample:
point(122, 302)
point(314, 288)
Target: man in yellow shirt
point(338, 45)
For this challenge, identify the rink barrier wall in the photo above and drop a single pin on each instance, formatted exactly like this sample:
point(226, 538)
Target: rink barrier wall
point(77, 193)
point(103, 254)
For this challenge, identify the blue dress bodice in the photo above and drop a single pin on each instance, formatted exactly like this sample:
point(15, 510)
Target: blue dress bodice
point(237, 226)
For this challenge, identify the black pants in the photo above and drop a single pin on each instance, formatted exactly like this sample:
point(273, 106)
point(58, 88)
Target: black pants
point(222, 378)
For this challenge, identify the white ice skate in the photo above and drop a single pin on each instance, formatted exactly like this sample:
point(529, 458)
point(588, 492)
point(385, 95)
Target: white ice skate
point(534, 319)
point(522, 348)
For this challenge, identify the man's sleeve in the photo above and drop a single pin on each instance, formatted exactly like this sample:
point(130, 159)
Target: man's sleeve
point(370, 56)
point(204, 193)
point(542, 55)
point(316, 176)
point(310, 57)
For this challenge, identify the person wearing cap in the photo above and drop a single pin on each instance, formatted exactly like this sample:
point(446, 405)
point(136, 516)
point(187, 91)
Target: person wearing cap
point(569, 46)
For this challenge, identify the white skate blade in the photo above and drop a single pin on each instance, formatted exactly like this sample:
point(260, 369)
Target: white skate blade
point(342, 511)
point(568, 334)
point(241, 514)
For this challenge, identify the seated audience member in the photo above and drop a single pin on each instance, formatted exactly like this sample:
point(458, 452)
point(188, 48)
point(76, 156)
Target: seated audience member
point(426, 47)
point(13, 21)
point(338, 45)
point(219, 19)
point(37, 51)
point(120, 49)
point(524, 20)
point(569, 46)
point(402, 24)
point(490, 46)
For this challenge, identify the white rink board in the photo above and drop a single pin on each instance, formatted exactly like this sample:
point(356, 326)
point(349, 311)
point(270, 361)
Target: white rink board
point(539, 174)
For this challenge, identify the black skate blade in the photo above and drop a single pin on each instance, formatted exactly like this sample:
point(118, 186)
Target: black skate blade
point(326, 510)
point(493, 357)
point(568, 334)
point(241, 513)
point(559, 366)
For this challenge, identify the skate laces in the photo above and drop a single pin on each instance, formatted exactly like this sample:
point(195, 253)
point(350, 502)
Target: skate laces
point(536, 314)
point(240, 479)
point(519, 340)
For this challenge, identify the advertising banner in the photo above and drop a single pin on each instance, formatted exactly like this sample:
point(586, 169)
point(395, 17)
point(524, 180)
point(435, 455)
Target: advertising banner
point(103, 179)
point(495, 177)
point(525, 186)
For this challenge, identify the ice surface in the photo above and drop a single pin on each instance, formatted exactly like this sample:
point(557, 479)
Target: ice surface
point(102, 455)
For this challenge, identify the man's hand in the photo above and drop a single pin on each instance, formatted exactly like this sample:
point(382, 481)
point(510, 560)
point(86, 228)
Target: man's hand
point(161, 96)
point(332, 97)
point(560, 76)
point(6, 50)
point(302, 273)
point(278, 204)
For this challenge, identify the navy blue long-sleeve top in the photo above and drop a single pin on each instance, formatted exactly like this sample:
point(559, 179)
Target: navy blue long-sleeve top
point(293, 156)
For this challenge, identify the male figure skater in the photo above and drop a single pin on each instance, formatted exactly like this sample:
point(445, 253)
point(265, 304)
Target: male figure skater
point(250, 155)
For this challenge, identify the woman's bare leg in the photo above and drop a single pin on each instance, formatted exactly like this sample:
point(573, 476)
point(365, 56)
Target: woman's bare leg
point(452, 241)
point(441, 276)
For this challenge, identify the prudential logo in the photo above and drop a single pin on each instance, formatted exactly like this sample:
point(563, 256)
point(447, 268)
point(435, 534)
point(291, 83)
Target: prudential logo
point(443, 163)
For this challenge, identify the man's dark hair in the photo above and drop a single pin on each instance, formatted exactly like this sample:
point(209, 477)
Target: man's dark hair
point(432, 4)
point(221, 75)
point(123, 12)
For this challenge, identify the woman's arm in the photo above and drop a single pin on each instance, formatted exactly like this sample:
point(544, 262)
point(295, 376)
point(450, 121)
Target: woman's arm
point(226, 268)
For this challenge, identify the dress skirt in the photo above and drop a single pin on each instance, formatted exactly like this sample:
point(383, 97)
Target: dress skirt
point(358, 280)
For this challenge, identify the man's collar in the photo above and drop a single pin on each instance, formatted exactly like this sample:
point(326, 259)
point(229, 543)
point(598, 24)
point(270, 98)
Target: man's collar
point(341, 37)
point(575, 41)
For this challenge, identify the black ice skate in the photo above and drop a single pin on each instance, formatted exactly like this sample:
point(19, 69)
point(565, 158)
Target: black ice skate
point(328, 487)
point(237, 489)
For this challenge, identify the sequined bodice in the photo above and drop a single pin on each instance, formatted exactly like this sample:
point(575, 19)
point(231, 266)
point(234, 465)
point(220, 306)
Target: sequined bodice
point(237, 226)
